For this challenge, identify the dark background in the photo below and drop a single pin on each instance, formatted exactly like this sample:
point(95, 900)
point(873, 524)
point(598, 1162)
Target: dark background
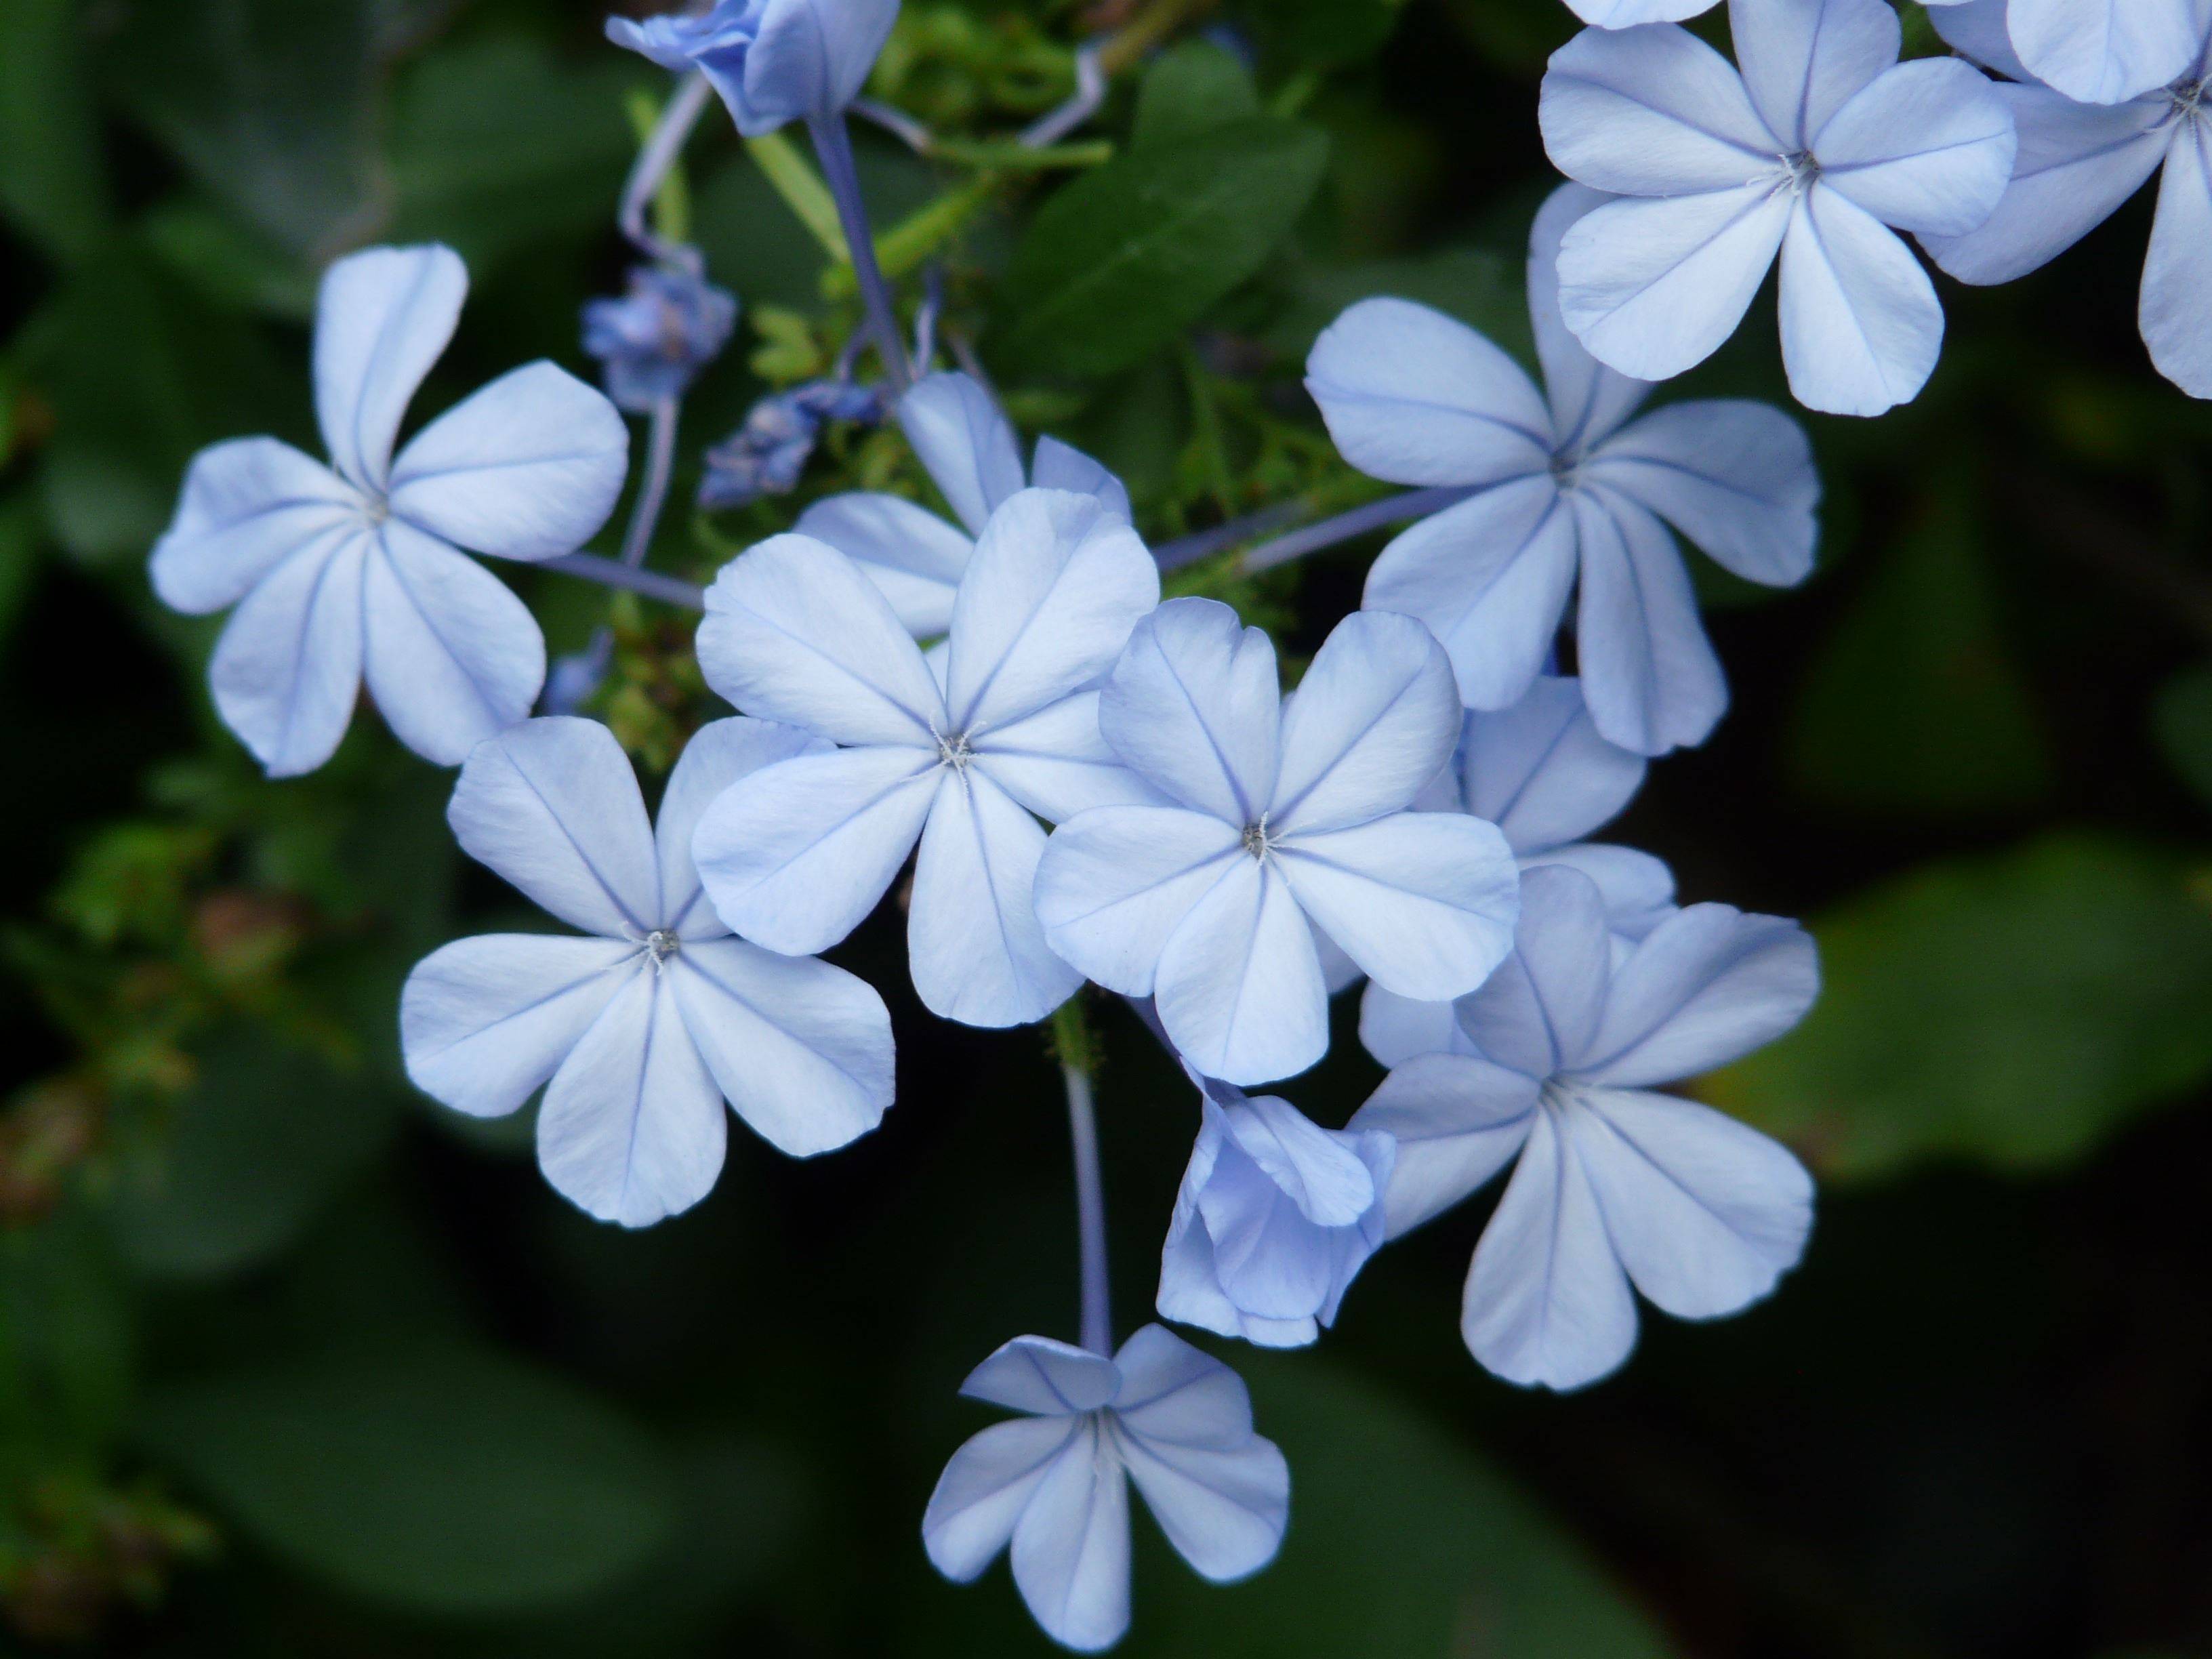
point(292, 1362)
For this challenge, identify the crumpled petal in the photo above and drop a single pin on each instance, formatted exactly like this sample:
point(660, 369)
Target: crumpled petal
point(1195, 706)
point(911, 554)
point(484, 1022)
point(1238, 984)
point(1648, 672)
point(451, 655)
point(2176, 315)
point(1860, 326)
point(801, 1050)
point(2101, 51)
point(1041, 1375)
point(1737, 478)
point(384, 317)
point(1057, 762)
point(793, 632)
point(1457, 1120)
point(528, 468)
point(553, 806)
point(1063, 466)
point(247, 506)
point(1588, 399)
point(1414, 396)
point(985, 1489)
point(286, 670)
point(1651, 112)
point(718, 755)
point(1928, 146)
point(1803, 60)
point(1372, 721)
point(978, 953)
point(1540, 772)
point(1071, 1549)
point(965, 444)
point(1542, 1008)
point(1114, 884)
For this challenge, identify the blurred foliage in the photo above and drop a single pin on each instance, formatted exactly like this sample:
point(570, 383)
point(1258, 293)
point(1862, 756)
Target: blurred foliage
point(291, 1362)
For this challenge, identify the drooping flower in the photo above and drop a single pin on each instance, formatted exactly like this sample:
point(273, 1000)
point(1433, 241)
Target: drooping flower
point(971, 453)
point(1541, 774)
point(771, 61)
point(1563, 491)
point(796, 854)
point(1613, 1184)
point(2079, 161)
point(354, 570)
point(638, 1033)
point(1281, 820)
point(1054, 1483)
point(1820, 148)
point(2094, 51)
point(654, 340)
point(1275, 1218)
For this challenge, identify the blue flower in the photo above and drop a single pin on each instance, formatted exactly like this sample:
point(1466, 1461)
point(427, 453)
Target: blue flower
point(1820, 145)
point(638, 1033)
point(2079, 161)
point(655, 339)
point(957, 755)
point(1278, 821)
point(970, 451)
point(1611, 1183)
point(1562, 491)
point(2095, 52)
point(354, 570)
point(765, 456)
point(772, 61)
point(1054, 1483)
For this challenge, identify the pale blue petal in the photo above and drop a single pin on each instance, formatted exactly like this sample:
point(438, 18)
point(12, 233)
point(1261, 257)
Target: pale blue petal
point(1174, 1395)
point(1637, 889)
point(1071, 1550)
point(1456, 1120)
point(800, 1049)
point(1338, 971)
point(796, 854)
point(1737, 478)
point(1627, 14)
point(719, 754)
point(1057, 762)
point(1541, 1011)
point(978, 953)
point(1412, 396)
point(1114, 884)
point(1190, 1289)
point(452, 657)
point(2102, 52)
point(793, 632)
point(1709, 985)
point(1803, 60)
point(2176, 314)
point(552, 806)
point(247, 506)
point(1539, 771)
point(1318, 1171)
point(1351, 1247)
point(964, 443)
point(1977, 27)
point(383, 317)
point(984, 1489)
point(1063, 466)
point(1651, 112)
point(912, 556)
point(1238, 986)
point(1394, 1030)
point(1374, 720)
point(1588, 399)
point(813, 56)
point(1927, 147)
point(1044, 1377)
point(1195, 706)
point(1225, 1511)
point(1862, 327)
point(1272, 1262)
point(1648, 672)
point(286, 670)
point(484, 1022)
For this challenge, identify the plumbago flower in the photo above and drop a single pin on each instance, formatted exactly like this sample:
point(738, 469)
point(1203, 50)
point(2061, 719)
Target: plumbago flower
point(1819, 146)
point(1612, 1183)
point(1282, 821)
point(771, 61)
point(796, 854)
point(1541, 773)
point(1055, 1482)
point(2094, 51)
point(1563, 491)
point(638, 1033)
point(354, 570)
point(2079, 161)
point(654, 340)
point(970, 451)
point(1274, 1219)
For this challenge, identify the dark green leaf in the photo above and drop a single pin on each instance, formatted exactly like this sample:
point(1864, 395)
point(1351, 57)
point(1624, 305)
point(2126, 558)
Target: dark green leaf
point(444, 1480)
point(2183, 720)
point(20, 538)
point(227, 264)
point(65, 1342)
point(1324, 33)
point(52, 180)
point(2014, 1010)
point(1121, 261)
point(1480, 288)
point(1191, 89)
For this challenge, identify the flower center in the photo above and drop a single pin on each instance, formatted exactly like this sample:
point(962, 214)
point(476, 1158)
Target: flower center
point(1257, 839)
point(2188, 97)
point(953, 750)
point(1566, 469)
point(662, 945)
point(374, 510)
point(1795, 173)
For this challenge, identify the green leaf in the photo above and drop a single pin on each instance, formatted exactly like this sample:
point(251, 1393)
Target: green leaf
point(20, 540)
point(1914, 706)
point(1481, 287)
point(443, 1480)
point(1190, 90)
point(65, 1342)
point(1326, 33)
point(2183, 722)
point(2012, 1010)
point(260, 1146)
point(227, 264)
point(1121, 261)
point(53, 183)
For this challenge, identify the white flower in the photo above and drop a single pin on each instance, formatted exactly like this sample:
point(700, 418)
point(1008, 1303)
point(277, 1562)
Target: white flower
point(970, 451)
point(639, 1032)
point(1816, 149)
point(1283, 820)
point(352, 570)
point(796, 854)
point(1613, 1184)
point(1055, 1483)
point(1563, 492)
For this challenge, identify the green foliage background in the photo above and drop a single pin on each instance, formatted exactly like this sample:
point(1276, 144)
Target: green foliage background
point(291, 1362)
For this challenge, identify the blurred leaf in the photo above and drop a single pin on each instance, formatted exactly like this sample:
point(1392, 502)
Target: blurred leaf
point(1325, 34)
point(65, 1343)
point(227, 264)
point(262, 1143)
point(2183, 722)
point(444, 1480)
point(2014, 1010)
point(1914, 705)
point(19, 558)
point(1193, 88)
point(53, 183)
point(1121, 261)
point(1480, 286)
point(1516, 36)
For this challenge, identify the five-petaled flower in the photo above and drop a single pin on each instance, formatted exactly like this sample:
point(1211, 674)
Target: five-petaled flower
point(1279, 819)
point(796, 853)
point(772, 61)
point(353, 570)
point(1820, 145)
point(638, 1033)
point(1054, 1483)
point(1613, 1183)
point(1563, 491)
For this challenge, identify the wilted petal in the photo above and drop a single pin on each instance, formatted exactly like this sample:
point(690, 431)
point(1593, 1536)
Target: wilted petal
point(451, 655)
point(1114, 884)
point(247, 506)
point(484, 1022)
point(286, 670)
point(1542, 1008)
point(1372, 721)
point(1737, 478)
point(965, 445)
point(985, 1489)
point(383, 317)
point(978, 953)
point(1539, 771)
point(1648, 672)
point(1063, 466)
point(1803, 60)
point(1239, 987)
point(1057, 762)
point(2100, 52)
point(912, 556)
point(719, 754)
point(1927, 147)
point(1071, 1550)
point(1860, 326)
point(1457, 1120)
point(1041, 1375)
point(1588, 399)
point(2176, 292)
point(1195, 706)
point(1651, 112)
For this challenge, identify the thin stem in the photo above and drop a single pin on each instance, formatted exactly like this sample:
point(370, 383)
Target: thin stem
point(1205, 543)
point(653, 161)
point(833, 146)
point(1375, 515)
point(1090, 1210)
point(612, 573)
point(653, 493)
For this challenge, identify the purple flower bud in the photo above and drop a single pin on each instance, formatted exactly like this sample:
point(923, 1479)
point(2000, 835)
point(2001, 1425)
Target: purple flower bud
point(655, 339)
point(772, 61)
